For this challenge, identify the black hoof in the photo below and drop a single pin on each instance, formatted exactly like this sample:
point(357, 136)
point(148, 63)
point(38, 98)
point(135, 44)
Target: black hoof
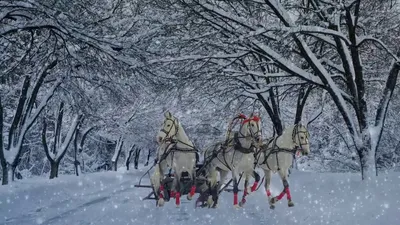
point(272, 207)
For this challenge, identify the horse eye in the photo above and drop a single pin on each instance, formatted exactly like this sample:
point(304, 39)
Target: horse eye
point(168, 125)
point(301, 138)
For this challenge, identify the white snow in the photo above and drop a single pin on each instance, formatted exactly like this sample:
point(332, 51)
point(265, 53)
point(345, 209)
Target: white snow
point(111, 198)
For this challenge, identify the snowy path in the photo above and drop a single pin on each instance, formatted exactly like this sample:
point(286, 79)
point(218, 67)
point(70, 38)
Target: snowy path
point(111, 198)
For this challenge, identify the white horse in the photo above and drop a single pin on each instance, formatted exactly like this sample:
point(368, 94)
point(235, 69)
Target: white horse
point(236, 155)
point(276, 154)
point(175, 151)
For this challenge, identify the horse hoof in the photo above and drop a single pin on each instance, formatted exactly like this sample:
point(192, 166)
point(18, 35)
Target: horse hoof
point(210, 201)
point(241, 204)
point(189, 197)
point(236, 206)
point(272, 207)
point(161, 202)
point(272, 201)
point(177, 206)
point(290, 204)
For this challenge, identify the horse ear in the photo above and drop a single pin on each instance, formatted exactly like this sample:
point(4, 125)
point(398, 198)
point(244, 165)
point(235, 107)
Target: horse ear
point(251, 115)
point(167, 115)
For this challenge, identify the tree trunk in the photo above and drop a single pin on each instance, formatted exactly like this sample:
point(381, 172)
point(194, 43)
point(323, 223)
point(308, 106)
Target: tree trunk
point(137, 154)
point(54, 169)
point(76, 162)
point(148, 158)
point(117, 153)
point(128, 158)
point(3, 161)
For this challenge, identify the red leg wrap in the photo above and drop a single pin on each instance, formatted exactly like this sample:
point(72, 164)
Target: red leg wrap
point(243, 200)
point(172, 194)
point(289, 197)
point(254, 187)
point(177, 198)
point(193, 190)
point(280, 196)
point(235, 198)
point(162, 191)
point(268, 193)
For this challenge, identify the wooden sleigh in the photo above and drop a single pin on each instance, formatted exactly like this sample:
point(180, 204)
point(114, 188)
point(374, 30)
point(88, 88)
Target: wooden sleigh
point(185, 182)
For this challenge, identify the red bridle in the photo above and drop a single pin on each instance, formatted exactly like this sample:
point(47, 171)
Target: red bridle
point(255, 118)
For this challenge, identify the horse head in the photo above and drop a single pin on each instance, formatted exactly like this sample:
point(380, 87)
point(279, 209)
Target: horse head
point(169, 128)
point(300, 137)
point(252, 127)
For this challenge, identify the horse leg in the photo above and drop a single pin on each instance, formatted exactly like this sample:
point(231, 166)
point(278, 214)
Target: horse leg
point(178, 188)
point(161, 200)
point(212, 183)
point(285, 182)
point(222, 177)
point(267, 174)
point(283, 175)
point(257, 179)
point(235, 189)
point(245, 190)
point(194, 185)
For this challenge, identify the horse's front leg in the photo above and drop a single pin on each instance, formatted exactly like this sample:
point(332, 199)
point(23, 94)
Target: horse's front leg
point(283, 175)
point(160, 177)
point(194, 184)
point(235, 189)
point(267, 174)
point(245, 189)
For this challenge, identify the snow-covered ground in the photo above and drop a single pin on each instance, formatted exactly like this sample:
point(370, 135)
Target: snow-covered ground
point(111, 198)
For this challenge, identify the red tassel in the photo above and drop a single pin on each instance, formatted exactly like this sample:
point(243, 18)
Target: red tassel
point(289, 197)
point(280, 196)
point(235, 198)
point(178, 198)
point(268, 193)
point(162, 191)
point(254, 187)
point(193, 190)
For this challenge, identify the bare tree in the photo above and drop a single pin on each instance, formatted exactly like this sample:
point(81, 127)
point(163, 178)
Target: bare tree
point(59, 145)
point(25, 115)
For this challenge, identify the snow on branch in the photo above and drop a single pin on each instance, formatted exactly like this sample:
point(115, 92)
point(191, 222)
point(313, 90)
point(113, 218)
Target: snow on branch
point(288, 66)
point(198, 57)
point(267, 87)
point(240, 73)
point(14, 150)
point(363, 39)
